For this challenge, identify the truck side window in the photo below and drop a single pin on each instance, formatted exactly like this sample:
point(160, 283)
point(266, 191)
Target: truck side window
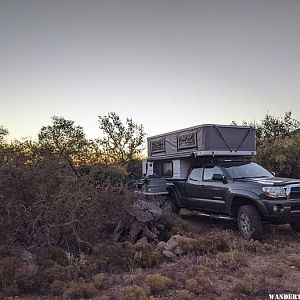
point(196, 174)
point(209, 171)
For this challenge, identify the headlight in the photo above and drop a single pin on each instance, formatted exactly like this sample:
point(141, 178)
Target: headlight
point(274, 192)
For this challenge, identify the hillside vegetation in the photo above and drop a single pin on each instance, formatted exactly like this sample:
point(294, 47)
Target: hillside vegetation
point(62, 196)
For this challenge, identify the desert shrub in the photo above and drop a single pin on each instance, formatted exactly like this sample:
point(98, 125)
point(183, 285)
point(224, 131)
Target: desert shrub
point(100, 281)
point(174, 225)
point(294, 260)
point(78, 290)
point(57, 287)
point(157, 282)
point(207, 245)
point(8, 269)
point(231, 260)
point(50, 255)
point(257, 247)
point(109, 257)
point(246, 286)
point(185, 295)
point(43, 202)
point(108, 174)
point(201, 283)
point(144, 255)
point(277, 269)
point(134, 292)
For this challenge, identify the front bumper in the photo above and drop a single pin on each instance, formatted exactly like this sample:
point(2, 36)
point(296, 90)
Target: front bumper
point(281, 211)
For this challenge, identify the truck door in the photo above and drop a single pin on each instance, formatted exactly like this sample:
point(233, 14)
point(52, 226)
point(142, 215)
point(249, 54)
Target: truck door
point(192, 186)
point(212, 193)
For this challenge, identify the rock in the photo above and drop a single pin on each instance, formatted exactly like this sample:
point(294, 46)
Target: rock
point(174, 243)
point(142, 241)
point(162, 245)
point(168, 254)
point(27, 256)
point(141, 221)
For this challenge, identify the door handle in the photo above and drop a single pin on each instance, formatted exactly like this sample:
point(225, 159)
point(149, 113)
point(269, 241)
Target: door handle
point(202, 186)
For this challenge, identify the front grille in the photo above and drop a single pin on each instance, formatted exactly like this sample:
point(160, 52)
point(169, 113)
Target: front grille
point(295, 193)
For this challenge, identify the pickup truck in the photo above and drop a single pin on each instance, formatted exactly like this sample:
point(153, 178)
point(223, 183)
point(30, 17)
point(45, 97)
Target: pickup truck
point(239, 190)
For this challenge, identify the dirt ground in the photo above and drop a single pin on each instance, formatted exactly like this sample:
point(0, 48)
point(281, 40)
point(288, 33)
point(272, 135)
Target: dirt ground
point(248, 270)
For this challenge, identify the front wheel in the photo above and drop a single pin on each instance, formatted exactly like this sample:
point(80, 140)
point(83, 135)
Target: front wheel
point(249, 222)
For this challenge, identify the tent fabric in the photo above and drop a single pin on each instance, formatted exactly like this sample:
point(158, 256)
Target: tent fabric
point(203, 139)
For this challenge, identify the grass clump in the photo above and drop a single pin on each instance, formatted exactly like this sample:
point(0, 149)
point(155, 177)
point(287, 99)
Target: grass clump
point(144, 255)
point(174, 225)
point(231, 260)
point(100, 281)
point(157, 282)
point(257, 247)
point(52, 255)
point(246, 286)
point(106, 258)
point(207, 245)
point(185, 295)
point(294, 260)
point(134, 292)
point(78, 290)
point(200, 284)
point(278, 269)
point(57, 287)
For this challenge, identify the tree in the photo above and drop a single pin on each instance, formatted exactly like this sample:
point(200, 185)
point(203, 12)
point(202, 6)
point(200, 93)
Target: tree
point(121, 142)
point(3, 133)
point(278, 144)
point(65, 140)
point(278, 127)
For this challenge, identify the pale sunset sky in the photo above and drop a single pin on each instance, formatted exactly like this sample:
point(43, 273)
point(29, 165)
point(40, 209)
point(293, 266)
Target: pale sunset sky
point(167, 64)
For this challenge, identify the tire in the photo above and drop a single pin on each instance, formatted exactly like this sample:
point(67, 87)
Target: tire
point(295, 226)
point(249, 222)
point(172, 200)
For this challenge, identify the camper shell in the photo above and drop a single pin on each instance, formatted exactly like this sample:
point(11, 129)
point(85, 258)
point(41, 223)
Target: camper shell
point(170, 155)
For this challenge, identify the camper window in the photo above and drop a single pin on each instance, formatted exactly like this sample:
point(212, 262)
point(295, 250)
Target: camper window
point(163, 169)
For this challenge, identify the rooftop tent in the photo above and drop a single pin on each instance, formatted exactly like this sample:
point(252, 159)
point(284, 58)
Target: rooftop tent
point(203, 140)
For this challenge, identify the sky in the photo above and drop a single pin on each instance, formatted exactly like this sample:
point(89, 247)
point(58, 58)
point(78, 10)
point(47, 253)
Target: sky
point(167, 64)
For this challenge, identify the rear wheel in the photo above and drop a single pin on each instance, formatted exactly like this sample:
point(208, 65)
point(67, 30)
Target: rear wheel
point(249, 222)
point(295, 226)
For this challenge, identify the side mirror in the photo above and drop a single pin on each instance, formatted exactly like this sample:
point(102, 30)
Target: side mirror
point(273, 173)
point(219, 177)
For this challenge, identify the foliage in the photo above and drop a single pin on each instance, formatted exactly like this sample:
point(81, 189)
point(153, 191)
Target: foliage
point(277, 127)
point(3, 133)
point(157, 282)
point(66, 140)
point(207, 245)
point(280, 155)
point(185, 295)
point(134, 292)
point(201, 283)
point(278, 144)
point(79, 290)
point(43, 202)
point(121, 142)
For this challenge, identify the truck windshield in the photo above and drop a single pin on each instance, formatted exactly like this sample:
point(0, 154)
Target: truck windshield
point(240, 170)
